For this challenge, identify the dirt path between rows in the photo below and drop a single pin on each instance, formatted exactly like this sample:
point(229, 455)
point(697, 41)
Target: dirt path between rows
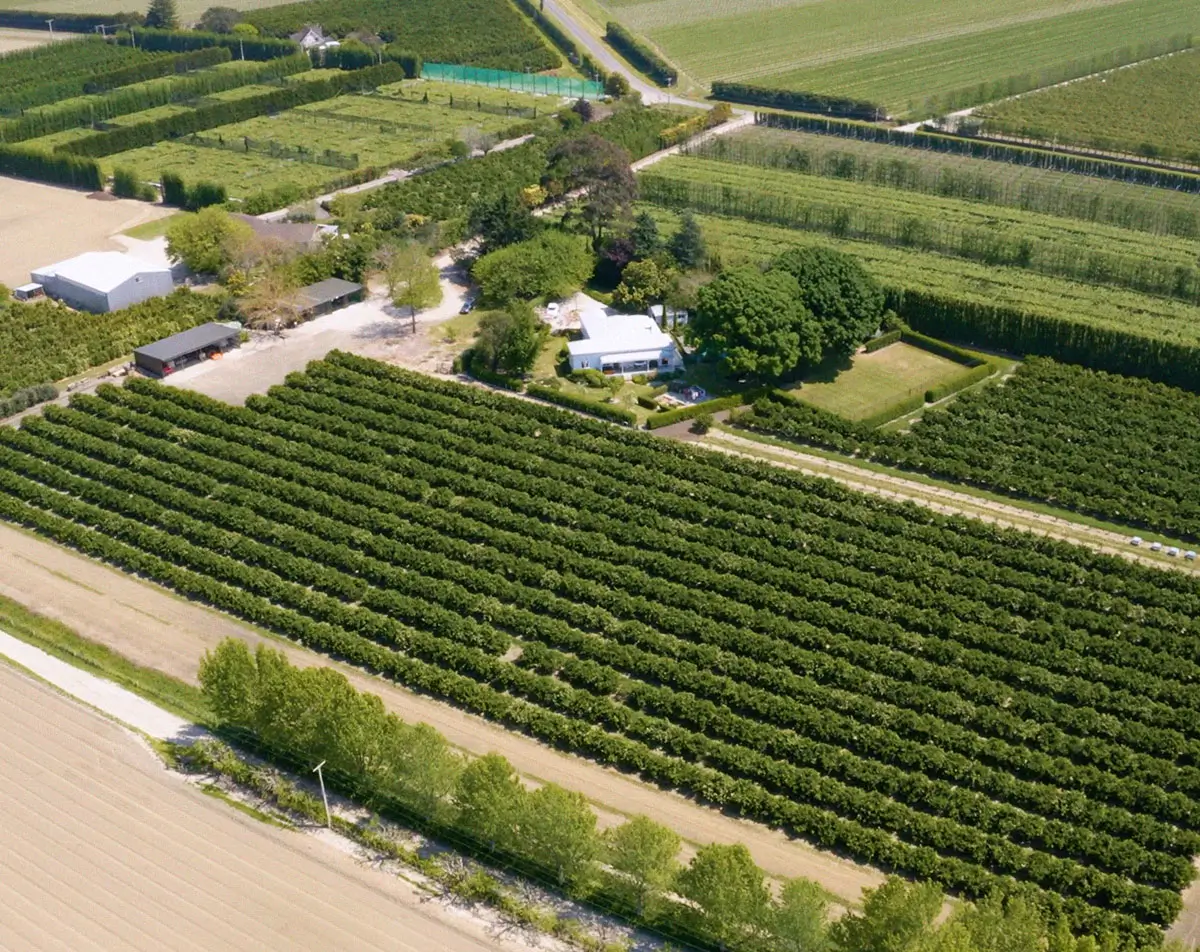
point(939, 498)
point(155, 628)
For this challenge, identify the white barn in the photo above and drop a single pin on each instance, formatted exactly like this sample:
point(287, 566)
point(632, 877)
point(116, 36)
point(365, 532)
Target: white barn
point(622, 344)
point(103, 281)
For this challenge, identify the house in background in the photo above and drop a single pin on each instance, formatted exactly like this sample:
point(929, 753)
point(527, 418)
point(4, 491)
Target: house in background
point(621, 344)
point(303, 235)
point(313, 37)
point(103, 281)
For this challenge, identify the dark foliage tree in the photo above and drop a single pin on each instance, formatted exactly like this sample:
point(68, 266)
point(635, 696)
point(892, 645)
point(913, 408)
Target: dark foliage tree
point(644, 236)
point(687, 245)
point(599, 168)
point(162, 15)
point(754, 323)
point(845, 300)
point(509, 341)
point(218, 20)
point(502, 220)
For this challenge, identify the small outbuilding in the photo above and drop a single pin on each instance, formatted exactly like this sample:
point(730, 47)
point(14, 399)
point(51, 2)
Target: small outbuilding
point(173, 353)
point(103, 281)
point(325, 296)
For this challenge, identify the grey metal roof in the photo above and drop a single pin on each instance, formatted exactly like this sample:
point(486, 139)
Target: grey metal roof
point(324, 292)
point(187, 342)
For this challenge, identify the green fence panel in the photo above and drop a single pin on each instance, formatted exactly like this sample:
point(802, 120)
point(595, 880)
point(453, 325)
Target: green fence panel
point(534, 83)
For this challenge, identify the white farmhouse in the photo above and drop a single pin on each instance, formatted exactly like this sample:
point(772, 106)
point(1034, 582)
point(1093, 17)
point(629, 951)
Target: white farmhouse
point(622, 344)
point(103, 281)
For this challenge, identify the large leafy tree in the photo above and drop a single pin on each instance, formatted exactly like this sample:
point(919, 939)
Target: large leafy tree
point(490, 801)
point(601, 169)
point(844, 299)
point(207, 241)
point(412, 278)
point(219, 20)
point(798, 921)
point(551, 265)
point(509, 341)
point(730, 891)
point(642, 283)
point(754, 323)
point(687, 245)
point(559, 828)
point(896, 917)
point(503, 220)
point(162, 15)
point(648, 854)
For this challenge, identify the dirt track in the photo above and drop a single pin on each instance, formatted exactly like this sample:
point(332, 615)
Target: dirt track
point(103, 849)
point(154, 628)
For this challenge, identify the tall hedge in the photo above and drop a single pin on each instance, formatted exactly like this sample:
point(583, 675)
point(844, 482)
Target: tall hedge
point(640, 55)
point(798, 101)
point(182, 41)
point(67, 22)
point(229, 111)
point(562, 39)
point(154, 67)
point(57, 169)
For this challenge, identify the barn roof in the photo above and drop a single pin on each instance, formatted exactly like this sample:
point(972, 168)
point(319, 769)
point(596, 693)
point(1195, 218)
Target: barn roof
point(187, 342)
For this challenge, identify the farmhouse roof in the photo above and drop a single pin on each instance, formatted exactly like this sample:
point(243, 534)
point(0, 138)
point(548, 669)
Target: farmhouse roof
point(326, 292)
point(286, 232)
point(102, 271)
point(187, 342)
point(633, 336)
point(314, 28)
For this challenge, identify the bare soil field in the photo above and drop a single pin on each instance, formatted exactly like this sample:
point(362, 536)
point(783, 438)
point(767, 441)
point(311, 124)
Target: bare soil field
point(41, 224)
point(105, 849)
point(13, 40)
point(154, 628)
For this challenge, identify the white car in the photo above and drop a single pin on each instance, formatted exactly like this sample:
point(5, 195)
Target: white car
point(1173, 551)
point(1136, 540)
point(552, 309)
point(1155, 546)
point(1190, 555)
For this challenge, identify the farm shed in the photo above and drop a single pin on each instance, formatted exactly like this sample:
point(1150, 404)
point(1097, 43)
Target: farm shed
point(622, 344)
point(103, 281)
point(187, 347)
point(325, 296)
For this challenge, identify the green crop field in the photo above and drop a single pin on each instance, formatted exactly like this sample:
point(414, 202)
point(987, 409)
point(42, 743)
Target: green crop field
point(1117, 448)
point(393, 128)
point(876, 381)
point(1145, 110)
point(1091, 252)
point(944, 698)
point(1159, 211)
point(911, 56)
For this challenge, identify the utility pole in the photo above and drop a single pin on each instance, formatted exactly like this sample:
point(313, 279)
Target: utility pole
point(50, 23)
point(242, 47)
point(325, 799)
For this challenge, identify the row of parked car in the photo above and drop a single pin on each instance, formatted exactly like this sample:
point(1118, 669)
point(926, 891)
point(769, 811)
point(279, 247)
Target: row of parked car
point(1171, 550)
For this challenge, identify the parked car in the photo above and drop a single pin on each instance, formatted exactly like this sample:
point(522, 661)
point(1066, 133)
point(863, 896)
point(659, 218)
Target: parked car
point(1190, 555)
point(1136, 540)
point(468, 306)
point(1155, 546)
point(552, 309)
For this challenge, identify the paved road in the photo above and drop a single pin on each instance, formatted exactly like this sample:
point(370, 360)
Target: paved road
point(104, 849)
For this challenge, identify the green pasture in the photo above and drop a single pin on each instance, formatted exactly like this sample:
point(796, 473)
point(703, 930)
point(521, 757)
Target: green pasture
point(874, 382)
point(1146, 110)
point(733, 240)
point(898, 53)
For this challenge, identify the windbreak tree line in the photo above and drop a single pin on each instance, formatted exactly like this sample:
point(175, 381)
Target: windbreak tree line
point(313, 715)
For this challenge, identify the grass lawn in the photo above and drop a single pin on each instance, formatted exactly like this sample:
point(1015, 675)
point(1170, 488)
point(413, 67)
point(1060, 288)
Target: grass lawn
point(877, 381)
point(547, 370)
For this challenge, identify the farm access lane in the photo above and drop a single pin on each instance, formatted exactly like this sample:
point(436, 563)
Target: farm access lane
point(155, 628)
point(105, 849)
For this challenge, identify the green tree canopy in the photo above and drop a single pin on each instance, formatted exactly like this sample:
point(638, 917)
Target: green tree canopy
point(218, 20)
point(730, 891)
point(599, 168)
point(412, 278)
point(207, 241)
point(509, 341)
point(502, 221)
point(162, 15)
point(558, 827)
point(798, 919)
point(490, 801)
point(642, 283)
point(687, 245)
point(896, 917)
point(644, 237)
point(844, 299)
point(648, 854)
point(551, 265)
point(754, 323)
